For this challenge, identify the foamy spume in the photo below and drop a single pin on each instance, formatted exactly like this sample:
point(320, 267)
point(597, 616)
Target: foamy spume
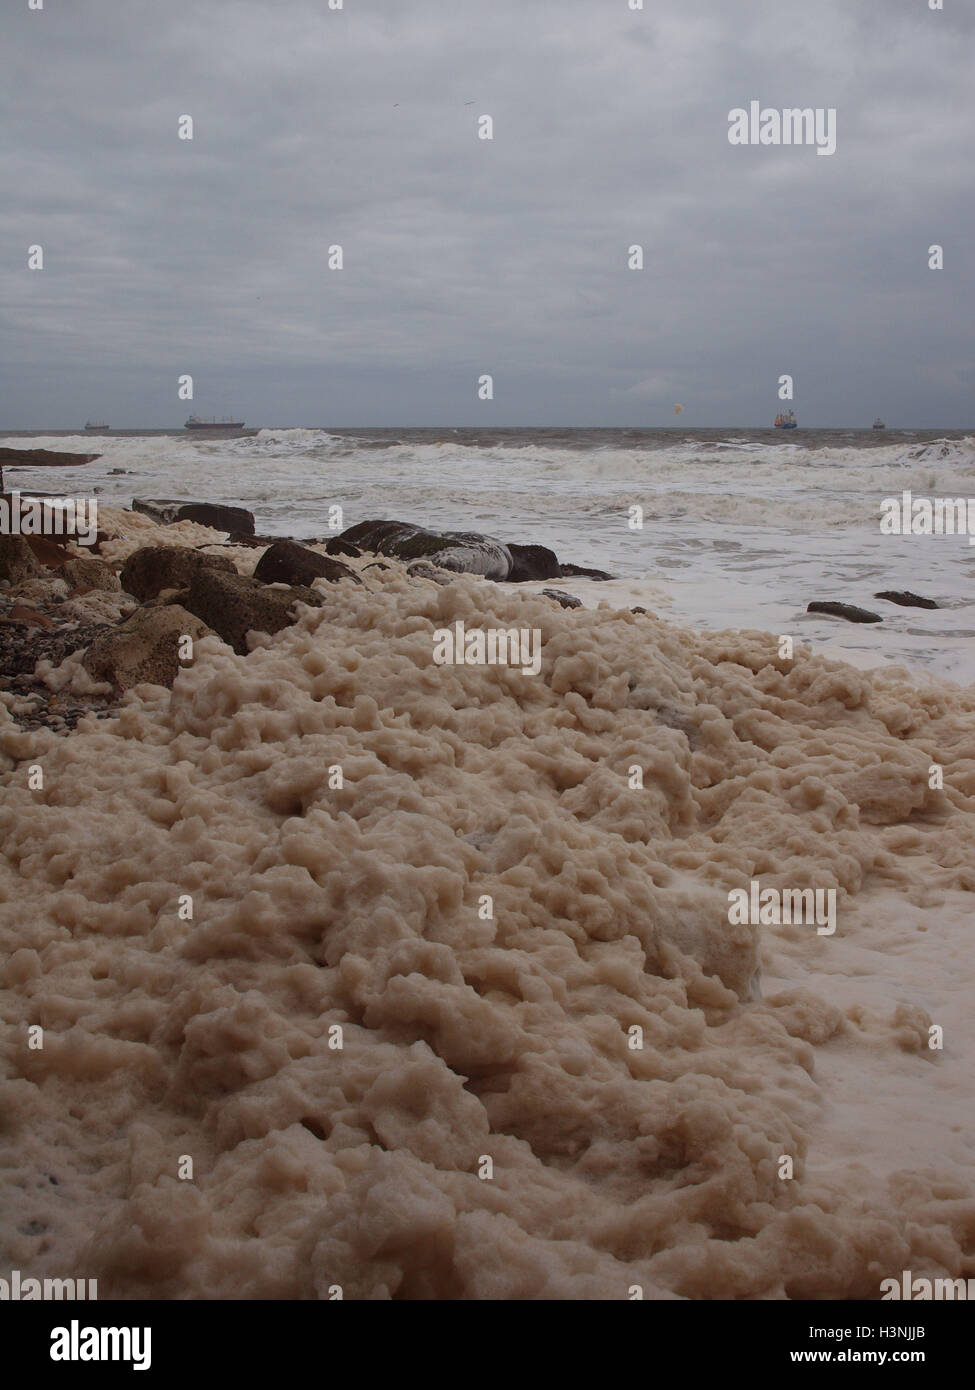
point(465, 1036)
point(300, 437)
point(289, 477)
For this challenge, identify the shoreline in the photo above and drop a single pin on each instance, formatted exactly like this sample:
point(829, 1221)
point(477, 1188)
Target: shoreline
point(57, 620)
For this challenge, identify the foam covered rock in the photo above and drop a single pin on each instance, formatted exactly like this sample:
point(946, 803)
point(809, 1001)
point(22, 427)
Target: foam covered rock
point(91, 574)
point(143, 649)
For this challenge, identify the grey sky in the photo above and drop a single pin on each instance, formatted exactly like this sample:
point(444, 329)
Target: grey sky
point(464, 256)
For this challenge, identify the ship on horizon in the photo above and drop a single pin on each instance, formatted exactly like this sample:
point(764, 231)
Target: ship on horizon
point(196, 423)
point(90, 426)
point(878, 424)
point(787, 421)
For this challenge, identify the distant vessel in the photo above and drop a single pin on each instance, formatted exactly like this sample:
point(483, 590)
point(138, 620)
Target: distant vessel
point(90, 426)
point(195, 423)
point(786, 422)
point(878, 424)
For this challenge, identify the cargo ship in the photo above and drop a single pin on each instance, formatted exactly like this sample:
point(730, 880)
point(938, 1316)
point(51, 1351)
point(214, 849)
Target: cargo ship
point(90, 426)
point(786, 422)
point(195, 423)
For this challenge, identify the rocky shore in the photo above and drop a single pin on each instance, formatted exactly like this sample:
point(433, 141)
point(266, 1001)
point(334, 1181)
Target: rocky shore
point(80, 626)
point(344, 923)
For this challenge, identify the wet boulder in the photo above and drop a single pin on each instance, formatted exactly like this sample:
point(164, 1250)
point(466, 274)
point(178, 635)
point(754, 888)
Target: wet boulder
point(580, 572)
point(533, 562)
point(906, 599)
point(337, 546)
point(234, 520)
point(156, 567)
point(463, 552)
point(143, 649)
point(167, 511)
point(287, 562)
point(89, 573)
point(234, 604)
point(845, 610)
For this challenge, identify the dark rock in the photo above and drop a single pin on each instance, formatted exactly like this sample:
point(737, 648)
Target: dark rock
point(156, 567)
point(638, 610)
point(43, 458)
point(578, 572)
point(845, 610)
point(255, 542)
point(167, 511)
point(377, 565)
point(232, 519)
point(533, 562)
point(337, 546)
point(234, 605)
point(564, 600)
point(286, 562)
point(906, 599)
point(165, 596)
point(52, 551)
point(145, 648)
point(18, 561)
point(463, 552)
point(163, 513)
point(91, 574)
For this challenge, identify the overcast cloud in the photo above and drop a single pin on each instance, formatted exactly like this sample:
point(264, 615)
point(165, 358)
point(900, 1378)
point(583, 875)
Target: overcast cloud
point(464, 256)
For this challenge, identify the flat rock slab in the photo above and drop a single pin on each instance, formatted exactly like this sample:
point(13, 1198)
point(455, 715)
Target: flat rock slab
point(43, 458)
point(906, 599)
point(166, 511)
point(845, 610)
point(235, 520)
point(580, 572)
